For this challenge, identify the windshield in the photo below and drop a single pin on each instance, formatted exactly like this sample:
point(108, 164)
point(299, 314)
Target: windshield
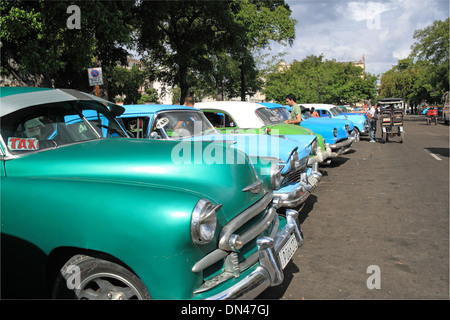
point(282, 113)
point(52, 125)
point(334, 111)
point(178, 125)
point(268, 116)
point(305, 113)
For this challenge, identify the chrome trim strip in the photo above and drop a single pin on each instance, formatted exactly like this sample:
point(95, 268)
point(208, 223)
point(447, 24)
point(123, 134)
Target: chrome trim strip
point(241, 219)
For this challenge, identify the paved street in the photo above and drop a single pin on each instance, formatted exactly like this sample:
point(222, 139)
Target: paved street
point(385, 205)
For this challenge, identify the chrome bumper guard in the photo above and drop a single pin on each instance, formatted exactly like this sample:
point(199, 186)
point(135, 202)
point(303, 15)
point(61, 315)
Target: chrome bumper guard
point(293, 198)
point(269, 272)
point(298, 195)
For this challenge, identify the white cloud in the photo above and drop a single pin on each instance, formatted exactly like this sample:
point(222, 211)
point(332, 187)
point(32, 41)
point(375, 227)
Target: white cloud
point(344, 30)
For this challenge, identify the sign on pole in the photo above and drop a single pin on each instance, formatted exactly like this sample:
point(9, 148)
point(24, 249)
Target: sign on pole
point(95, 76)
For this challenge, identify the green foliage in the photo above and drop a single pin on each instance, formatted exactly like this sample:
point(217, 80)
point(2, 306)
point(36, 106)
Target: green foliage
point(314, 80)
point(127, 83)
point(150, 96)
point(39, 49)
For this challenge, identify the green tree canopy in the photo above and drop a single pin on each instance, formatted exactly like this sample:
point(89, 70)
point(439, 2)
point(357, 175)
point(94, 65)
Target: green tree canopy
point(314, 80)
point(38, 48)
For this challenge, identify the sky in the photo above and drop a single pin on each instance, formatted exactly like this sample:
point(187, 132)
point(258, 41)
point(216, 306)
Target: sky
point(344, 30)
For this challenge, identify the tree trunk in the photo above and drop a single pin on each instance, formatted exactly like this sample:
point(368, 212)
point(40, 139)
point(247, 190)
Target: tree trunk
point(183, 84)
point(219, 90)
point(242, 81)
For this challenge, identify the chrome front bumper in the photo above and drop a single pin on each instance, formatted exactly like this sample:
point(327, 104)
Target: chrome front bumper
point(344, 146)
point(269, 272)
point(320, 157)
point(293, 195)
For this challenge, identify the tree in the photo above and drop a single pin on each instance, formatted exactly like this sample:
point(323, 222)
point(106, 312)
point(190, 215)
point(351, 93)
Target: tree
point(127, 83)
point(39, 49)
point(259, 22)
point(180, 35)
point(314, 80)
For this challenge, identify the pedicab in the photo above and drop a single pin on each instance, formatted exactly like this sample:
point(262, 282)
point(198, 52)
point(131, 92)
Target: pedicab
point(392, 124)
point(432, 114)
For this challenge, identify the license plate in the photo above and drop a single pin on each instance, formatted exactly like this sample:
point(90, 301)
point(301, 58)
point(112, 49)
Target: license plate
point(287, 252)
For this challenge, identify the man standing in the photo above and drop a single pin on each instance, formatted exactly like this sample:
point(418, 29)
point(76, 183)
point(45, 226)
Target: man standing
point(373, 117)
point(296, 112)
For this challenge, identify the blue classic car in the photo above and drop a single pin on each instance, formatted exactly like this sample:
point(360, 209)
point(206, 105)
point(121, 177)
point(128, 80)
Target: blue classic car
point(181, 123)
point(334, 131)
point(331, 111)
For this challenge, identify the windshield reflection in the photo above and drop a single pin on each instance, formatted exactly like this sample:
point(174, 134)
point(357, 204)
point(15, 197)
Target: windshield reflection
point(178, 125)
point(53, 125)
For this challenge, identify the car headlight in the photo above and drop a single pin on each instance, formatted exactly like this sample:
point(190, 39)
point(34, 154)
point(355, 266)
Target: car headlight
point(293, 160)
point(275, 175)
point(314, 147)
point(204, 221)
point(347, 127)
point(335, 132)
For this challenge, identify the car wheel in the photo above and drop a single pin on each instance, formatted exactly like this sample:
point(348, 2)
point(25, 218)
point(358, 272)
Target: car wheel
point(89, 278)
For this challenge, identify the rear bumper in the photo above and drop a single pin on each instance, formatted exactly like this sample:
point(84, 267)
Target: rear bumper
point(269, 272)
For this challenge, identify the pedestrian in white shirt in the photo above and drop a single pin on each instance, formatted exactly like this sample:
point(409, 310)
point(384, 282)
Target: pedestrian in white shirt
point(373, 117)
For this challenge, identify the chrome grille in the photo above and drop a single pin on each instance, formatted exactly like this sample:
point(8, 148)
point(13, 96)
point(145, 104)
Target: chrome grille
point(224, 263)
point(294, 176)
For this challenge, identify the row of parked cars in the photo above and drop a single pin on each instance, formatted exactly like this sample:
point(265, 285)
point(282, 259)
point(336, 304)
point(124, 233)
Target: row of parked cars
point(101, 201)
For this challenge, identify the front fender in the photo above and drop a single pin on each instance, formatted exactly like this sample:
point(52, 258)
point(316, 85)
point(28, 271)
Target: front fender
point(146, 227)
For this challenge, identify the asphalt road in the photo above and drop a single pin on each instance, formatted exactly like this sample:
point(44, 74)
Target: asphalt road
point(377, 225)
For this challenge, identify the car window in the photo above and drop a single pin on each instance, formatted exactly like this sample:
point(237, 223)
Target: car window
point(267, 116)
point(334, 111)
point(136, 127)
point(306, 113)
point(220, 119)
point(282, 113)
point(180, 124)
point(47, 126)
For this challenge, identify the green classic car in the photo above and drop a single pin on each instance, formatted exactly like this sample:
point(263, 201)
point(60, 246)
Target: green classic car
point(254, 118)
point(89, 213)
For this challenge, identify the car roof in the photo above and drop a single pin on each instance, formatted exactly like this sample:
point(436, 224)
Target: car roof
point(8, 91)
point(318, 105)
point(242, 112)
point(16, 98)
point(131, 109)
point(272, 105)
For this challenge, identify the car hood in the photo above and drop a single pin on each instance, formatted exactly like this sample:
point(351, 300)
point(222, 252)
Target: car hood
point(154, 163)
point(263, 145)
point(346, 121)
point(325, 128)
point(356, 118)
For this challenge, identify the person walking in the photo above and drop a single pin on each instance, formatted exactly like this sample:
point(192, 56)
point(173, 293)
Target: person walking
point(373, 116)
point(296, 112)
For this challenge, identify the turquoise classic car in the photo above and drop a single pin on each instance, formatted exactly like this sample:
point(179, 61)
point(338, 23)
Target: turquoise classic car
point(334, 131)
point(89, 213)
point(182, 123)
